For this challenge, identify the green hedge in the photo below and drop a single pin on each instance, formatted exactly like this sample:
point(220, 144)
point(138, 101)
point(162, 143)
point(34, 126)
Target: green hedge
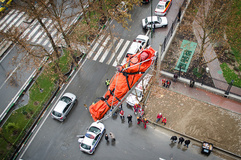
point(229, 75)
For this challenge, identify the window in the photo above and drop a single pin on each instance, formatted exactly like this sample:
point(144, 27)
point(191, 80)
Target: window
point(85, 146)
point(57, 114)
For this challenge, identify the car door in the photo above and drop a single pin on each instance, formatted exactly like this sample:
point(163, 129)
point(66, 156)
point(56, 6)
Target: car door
point(157, 24)
point(67, 109)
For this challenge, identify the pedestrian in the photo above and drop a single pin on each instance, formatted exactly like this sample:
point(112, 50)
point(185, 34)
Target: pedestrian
point(181, 139)
point(187, 142)
point(174, 139)
point(112, 136)
point(141, 112)
point(175, 77)
point(129, 117)
point(122, 115)
point(106, 137)
point(107, 83)
point(158, 117)
point(145, 121)
point(163, 82)
point(168, 83)
point(138, 120)
point(136, 108)
point(192, 82)
point(164, 121)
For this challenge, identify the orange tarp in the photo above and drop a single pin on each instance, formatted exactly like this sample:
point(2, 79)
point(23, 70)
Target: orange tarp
point(118, 87)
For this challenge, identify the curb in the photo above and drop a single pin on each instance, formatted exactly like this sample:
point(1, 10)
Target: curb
point(205, 87)
point(192, 138)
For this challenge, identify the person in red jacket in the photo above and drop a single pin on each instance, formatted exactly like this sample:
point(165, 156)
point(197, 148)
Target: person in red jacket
point(158, 117)
point(145, 121)
point(164, 120)
point(138, 120)
point(122, 115)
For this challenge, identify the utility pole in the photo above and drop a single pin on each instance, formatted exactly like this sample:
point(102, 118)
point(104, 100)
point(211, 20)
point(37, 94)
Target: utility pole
point(158, 68)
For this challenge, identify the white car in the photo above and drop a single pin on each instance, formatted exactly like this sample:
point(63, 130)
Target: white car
point(63, 107)
point(162, 7)
point(140, 42)
point(90, 140)
point(136, 95)
point(154, 22)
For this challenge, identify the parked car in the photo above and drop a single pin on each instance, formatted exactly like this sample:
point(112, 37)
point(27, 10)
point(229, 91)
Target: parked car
point(162, 7)
point(141, 41)
point(63, 107)
point(4, 4)
point(137, 94)
point(90, 140)
point(145, 1)
point(154, 22)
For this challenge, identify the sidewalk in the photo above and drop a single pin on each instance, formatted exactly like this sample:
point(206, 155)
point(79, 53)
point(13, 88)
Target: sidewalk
point(204, 96)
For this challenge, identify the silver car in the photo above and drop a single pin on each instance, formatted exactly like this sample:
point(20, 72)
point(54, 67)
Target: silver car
point(154, 22)
point(63, 107)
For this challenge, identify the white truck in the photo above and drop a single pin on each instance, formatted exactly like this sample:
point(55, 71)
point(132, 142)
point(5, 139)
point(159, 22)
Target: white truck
point(137, 94)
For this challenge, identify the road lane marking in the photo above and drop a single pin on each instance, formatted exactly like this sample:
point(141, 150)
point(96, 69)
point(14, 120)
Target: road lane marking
point(101, 48)
point(107, 51)
point(121, 53)
point(115, 51)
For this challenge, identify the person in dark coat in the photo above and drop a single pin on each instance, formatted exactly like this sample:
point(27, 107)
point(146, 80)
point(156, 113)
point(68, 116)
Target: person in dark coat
point(181, 139)
point(187, 142)
point(107, 137)
point(174, 139)
point(129, 117)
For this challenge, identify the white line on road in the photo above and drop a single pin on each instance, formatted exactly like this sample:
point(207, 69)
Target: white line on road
point(101, 48)
point(121, 53)
point(95, 46)
point(107, 51)
point(116, 49)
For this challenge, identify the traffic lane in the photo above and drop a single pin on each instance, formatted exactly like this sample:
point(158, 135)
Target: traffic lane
point(7, 65)
point(12, 87)
point(56, 140)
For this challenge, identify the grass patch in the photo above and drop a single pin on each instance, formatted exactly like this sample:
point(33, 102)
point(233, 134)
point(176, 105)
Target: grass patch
point(21, 119)
point(229, 75)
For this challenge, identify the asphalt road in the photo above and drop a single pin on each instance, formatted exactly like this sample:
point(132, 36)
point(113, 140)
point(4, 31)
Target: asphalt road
point(56, 140)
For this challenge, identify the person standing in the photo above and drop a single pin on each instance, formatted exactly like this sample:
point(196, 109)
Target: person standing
point(129, 117)
point(112, 136)
point(163, 82)
point(106, 137)
point(168, 83)
point(145, 121)
point(107, 83)
point(138, 120)
point(158, 117)
point(187, 142)
point(174, 139)
point(164, 120)
point(136, 107)
point(122, 115)
point(181, 139)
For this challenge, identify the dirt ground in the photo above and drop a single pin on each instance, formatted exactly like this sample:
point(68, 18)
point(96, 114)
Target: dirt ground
point(194, 118)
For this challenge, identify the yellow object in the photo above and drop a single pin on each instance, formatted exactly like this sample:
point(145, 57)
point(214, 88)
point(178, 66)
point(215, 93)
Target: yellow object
point(4, 4)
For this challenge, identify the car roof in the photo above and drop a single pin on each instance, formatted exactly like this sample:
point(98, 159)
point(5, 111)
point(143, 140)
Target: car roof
point(134, 47)
point(163, 0)
point(60, 106)
point(87, 140)
point(153, 18)
point(142, 37)
point(146, 81)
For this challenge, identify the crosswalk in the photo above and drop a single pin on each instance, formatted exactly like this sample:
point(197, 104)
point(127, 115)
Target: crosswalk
point(32, 32)
point(103, 52)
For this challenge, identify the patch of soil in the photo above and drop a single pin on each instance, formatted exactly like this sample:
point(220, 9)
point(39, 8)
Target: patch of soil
point(195, 118)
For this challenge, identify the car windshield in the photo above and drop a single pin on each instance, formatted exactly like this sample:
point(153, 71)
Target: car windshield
point(160, 6)
point(136, 92)
point(66, 99)
point(85, 146)
point(94, 129)
point(57, 114)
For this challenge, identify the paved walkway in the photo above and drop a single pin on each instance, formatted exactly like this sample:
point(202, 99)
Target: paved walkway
point(209, 54)
point(205, 96)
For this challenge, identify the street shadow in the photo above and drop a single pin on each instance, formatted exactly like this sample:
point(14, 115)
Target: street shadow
point(130, 124)
point(172, 144)
point(184, 148)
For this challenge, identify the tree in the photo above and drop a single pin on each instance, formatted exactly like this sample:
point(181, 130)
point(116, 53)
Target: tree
point(210, 18)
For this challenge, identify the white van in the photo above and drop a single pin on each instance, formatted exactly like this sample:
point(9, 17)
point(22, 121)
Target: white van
point(140, 42)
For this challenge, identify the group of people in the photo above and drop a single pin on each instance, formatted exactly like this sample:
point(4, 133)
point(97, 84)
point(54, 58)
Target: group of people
point(112, 137)
point(166, 83)
point(143, 120)
point(159, 117)
point(138, 109)
point(181, 140)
